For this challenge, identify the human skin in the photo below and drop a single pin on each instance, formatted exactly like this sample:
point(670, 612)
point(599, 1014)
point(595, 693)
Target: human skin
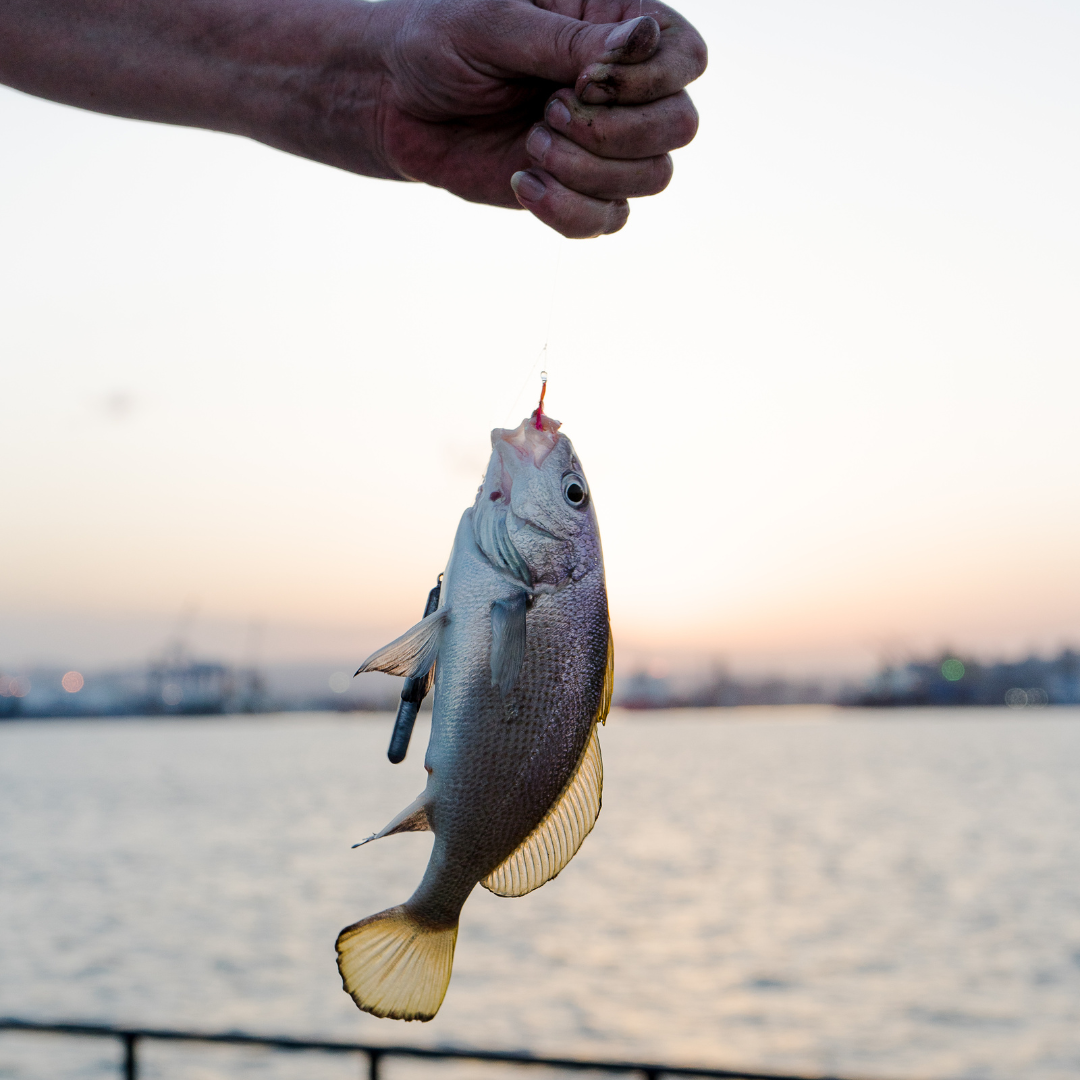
point(564, 107)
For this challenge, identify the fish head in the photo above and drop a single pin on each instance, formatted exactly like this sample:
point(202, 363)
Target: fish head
point(535, 503)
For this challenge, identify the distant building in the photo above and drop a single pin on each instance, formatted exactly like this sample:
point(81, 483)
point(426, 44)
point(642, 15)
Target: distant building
point(953, 680)
point(176, 687)
point(191, 688)
point(644, 691)
point(179, 685)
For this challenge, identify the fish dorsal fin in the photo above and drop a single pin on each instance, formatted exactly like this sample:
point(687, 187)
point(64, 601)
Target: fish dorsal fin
point(414, 818)
point(609, 682)
point(507, 641)
point(414, 652)
point(555, 841)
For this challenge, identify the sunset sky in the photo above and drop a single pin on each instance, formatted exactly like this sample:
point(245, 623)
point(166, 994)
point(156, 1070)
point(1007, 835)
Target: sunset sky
point(826, 388)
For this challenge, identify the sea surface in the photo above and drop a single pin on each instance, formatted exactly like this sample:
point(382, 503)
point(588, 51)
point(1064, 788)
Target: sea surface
point(879, 894)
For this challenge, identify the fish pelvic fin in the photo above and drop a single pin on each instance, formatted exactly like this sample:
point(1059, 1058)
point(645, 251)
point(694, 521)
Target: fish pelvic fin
point(414, 818)
point(544, 853)
point(396, 965)
point(413, 654)
point(507, 641)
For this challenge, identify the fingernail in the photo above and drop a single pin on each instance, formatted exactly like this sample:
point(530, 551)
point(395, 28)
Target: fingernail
point(557, 114)
point(527, 186)
point(595, 93)
point(538, 143)
point(621, 34)
point(595, 85)
point(634, 41)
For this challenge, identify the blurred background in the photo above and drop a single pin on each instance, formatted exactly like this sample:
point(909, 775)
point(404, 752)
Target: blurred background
point(824, 387)
point(825, 391)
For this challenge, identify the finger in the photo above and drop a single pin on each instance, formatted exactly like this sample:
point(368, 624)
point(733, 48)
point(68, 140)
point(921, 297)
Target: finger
point(681, 58)
point(631, 42)
point(624, 131)
point(602, 178)
point(568, 212)
point(523, 39)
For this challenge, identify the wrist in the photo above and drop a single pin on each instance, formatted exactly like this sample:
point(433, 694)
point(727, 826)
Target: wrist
point(320, 93)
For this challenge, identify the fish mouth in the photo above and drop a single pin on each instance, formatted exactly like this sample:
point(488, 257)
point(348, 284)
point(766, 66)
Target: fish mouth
point(535, 437)
point(495, 521)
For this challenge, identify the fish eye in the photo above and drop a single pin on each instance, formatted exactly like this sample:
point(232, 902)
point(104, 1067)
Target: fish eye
point(575, 490)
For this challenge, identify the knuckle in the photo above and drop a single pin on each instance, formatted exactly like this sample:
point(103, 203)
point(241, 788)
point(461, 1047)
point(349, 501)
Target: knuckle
point(577, 227)
point(575, 40)
point(663, 171)
point(581, 217)
point(617, 216)
point(649, 177)
point(699, 55)
point(684, 123)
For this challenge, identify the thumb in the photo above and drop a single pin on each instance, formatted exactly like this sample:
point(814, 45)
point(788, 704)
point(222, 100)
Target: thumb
point(553, 47)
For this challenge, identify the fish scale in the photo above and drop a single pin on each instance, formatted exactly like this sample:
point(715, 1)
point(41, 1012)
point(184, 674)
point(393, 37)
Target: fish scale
point(521, 648)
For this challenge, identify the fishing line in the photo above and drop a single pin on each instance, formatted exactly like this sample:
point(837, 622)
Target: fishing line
point(542, 355)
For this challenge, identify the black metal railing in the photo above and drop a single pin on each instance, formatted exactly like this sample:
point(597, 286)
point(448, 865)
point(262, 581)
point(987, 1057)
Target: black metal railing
point(131, 1037)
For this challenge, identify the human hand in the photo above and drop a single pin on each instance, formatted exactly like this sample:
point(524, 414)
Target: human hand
point(564, 105)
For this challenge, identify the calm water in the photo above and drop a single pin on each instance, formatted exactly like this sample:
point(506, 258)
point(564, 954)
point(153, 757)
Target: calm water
point(875, 894)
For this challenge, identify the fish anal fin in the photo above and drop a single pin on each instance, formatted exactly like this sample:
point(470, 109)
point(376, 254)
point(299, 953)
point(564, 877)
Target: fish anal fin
point(555, 841)
point(414, 818)
point(397, 965)
point(412, 654)
point(507, 641)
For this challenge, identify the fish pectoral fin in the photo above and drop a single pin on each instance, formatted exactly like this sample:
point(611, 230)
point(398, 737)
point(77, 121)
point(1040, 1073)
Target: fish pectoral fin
point(555, 841)
point(412, 654)
point(507, 641)
point(414, 818)
point(429, 679)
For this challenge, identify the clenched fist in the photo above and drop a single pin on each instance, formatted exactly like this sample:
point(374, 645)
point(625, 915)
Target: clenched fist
point(566, 107)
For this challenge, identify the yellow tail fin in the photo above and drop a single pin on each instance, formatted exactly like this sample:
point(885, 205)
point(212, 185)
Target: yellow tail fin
point(394, 964)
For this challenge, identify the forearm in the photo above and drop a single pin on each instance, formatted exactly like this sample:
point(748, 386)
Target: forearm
point(297, 75)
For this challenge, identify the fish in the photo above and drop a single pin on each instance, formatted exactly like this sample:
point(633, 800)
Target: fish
point(519, 657)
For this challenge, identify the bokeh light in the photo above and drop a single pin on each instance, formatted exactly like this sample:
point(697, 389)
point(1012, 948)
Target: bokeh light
point(172, 693)
point(953, 670)
point(17, 686)
point(72, 682)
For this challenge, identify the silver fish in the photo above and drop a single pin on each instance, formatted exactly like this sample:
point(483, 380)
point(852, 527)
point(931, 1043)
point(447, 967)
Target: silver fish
point(520, 654)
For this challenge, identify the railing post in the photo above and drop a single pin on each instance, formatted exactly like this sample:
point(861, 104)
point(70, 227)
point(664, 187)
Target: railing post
point(373, 1064)
point(651, 1074)
point(131, 1061)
